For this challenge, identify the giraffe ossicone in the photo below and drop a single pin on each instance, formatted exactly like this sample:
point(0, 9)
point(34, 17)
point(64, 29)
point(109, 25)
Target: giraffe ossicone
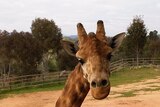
point(94, 51)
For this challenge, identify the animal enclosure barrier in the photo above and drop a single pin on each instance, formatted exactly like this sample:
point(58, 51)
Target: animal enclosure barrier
point(133, 62)
point(55, 78)
point(31, 80)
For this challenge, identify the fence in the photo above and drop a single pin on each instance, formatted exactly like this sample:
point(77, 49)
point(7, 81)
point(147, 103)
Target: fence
point(31, 80)
point(54, 78)
point(132, 62)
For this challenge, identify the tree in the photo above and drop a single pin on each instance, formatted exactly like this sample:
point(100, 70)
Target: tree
point(5, 56)
point(153, 49)
point(27, 50)
point(152, 46)
point(153, 35)
point(48, 33)
point(136, 38)
point(20, 53)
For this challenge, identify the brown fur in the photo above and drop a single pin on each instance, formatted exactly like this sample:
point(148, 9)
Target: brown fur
point(93, 72)
point(75, 90)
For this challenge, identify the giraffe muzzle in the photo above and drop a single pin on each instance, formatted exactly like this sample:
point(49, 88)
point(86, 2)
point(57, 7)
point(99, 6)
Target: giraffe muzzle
point(100, 89)
point(100, 92)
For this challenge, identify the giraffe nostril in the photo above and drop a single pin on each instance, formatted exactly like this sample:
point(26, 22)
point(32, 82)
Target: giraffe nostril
point(104, 83)
point(93, 84)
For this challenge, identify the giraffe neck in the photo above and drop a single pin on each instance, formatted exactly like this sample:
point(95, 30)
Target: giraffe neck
point(75, 90)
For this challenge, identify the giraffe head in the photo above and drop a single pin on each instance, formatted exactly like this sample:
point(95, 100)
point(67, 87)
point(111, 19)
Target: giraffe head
point(94, 52)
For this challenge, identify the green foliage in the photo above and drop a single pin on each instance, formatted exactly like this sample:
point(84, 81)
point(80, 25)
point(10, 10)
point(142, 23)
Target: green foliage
point(152, 49)
point(20, 53)
point(152, 46)
point(136, 38)
point(153, 35)
point(48, 34)
point(52, 65)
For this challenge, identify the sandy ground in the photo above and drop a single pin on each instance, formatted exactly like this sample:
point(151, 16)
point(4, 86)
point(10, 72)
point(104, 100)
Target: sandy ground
point(147, 94)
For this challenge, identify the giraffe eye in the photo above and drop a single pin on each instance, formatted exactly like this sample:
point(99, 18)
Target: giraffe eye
point(81, 60)
point(109, 56)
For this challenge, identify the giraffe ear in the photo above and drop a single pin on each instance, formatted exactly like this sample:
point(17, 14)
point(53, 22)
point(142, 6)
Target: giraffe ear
point(69, 47)
point(116, 41)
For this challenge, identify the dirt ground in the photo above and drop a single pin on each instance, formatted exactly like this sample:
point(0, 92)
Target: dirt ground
point(143, 94)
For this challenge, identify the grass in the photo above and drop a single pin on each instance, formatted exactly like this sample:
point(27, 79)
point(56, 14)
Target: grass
point(123, 76)
point(128, 75)
point(6, 93)
point(128, 94)
point(150, 89)
point(132, 92)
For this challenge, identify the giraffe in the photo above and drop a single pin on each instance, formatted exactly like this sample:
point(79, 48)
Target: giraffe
point(93, 52)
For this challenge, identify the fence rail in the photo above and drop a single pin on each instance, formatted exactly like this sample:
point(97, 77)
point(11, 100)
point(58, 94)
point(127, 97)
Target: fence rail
point(31, 80)
point(132, 62)
point(53, 78)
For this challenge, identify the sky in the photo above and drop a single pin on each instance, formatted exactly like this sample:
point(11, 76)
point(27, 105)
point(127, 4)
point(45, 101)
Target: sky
point(116, 14)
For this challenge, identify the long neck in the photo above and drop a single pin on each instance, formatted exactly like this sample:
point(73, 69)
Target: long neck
point(75, 90)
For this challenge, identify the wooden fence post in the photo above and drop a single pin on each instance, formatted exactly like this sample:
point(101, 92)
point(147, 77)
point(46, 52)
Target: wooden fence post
point(3, 82)
point(10, 85)
point(122, 63)
point(43, 77)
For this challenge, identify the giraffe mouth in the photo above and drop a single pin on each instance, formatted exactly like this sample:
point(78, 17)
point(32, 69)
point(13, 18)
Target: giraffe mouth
point(100, 92)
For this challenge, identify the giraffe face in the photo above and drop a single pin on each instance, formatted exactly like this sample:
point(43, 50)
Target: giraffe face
point(94, 53)
point(94, 56)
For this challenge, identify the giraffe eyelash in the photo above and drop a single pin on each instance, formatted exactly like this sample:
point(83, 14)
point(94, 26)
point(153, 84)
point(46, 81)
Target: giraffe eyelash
point(81, 60)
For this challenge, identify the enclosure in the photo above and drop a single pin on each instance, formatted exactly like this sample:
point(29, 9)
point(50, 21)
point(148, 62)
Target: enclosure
point(134, 84)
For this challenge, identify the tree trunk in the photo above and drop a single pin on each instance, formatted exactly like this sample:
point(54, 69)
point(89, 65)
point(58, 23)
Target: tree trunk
point(137, 56)
point(137, 59)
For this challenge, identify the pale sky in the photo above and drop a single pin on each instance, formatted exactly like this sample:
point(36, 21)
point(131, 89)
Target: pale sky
point(116, 14)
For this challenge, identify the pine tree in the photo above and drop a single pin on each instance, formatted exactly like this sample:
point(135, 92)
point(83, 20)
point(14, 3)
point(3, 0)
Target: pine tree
point(136, 38)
